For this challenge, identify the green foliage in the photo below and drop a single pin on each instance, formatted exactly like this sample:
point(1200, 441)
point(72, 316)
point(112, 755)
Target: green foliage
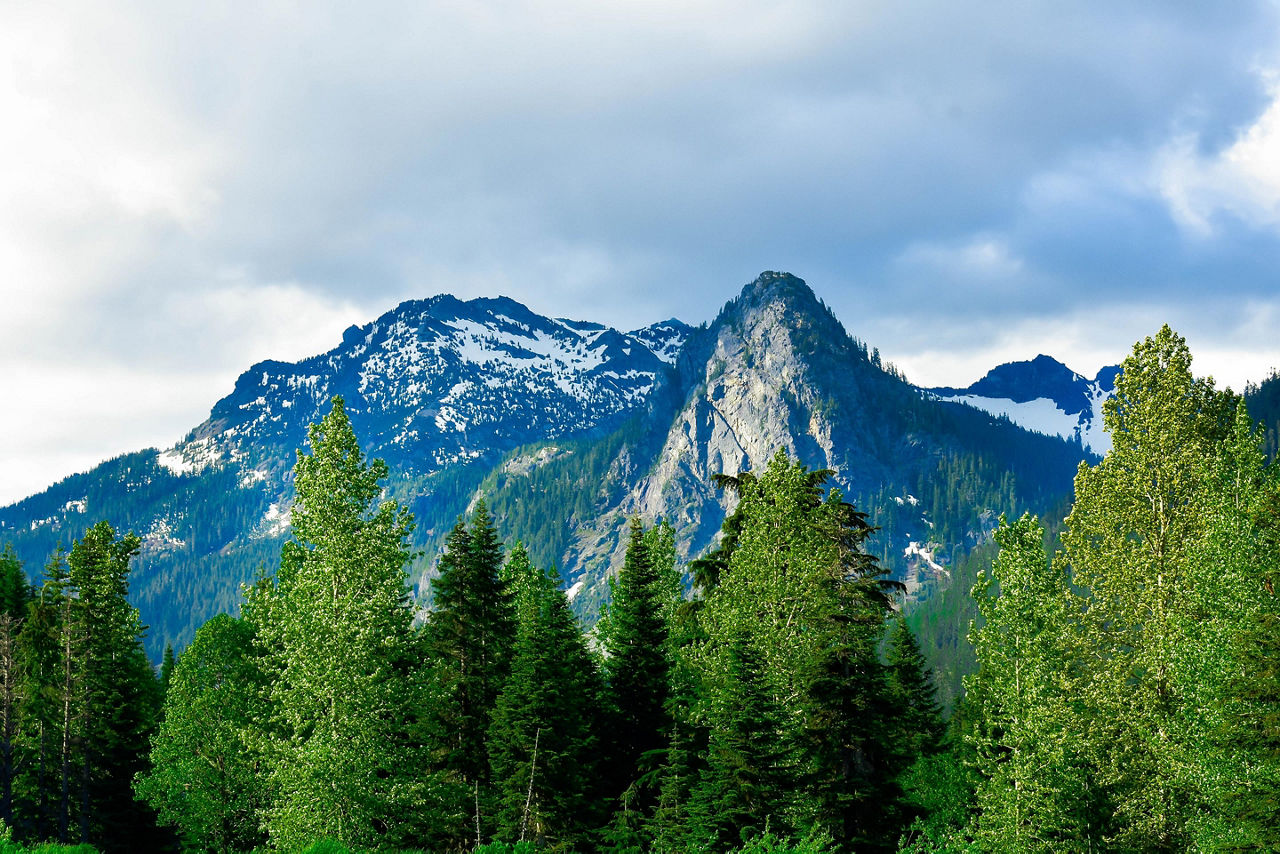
point(1033, 793)
point(207, 777)
point(346, 682)
point(636, 668)
point(469, 637)
point(119, 696)
point(796, 593)
point(543, 741)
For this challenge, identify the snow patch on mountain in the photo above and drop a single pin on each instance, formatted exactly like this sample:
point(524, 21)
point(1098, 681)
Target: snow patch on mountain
point(664, 339)
point(1045, 396)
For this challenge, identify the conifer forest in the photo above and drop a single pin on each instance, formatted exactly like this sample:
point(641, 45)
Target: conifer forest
point(1120, 688)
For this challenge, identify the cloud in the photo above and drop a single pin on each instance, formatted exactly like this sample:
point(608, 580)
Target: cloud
point(937, 171)
point(1241, 180)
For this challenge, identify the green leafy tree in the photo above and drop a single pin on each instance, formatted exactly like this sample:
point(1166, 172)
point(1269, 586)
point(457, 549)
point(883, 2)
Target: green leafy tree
point(1033, 793)
point(205, 779)
point(1135, 541)
point(337, 628)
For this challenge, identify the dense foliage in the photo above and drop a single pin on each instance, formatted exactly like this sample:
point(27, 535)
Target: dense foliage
point(1122, 687)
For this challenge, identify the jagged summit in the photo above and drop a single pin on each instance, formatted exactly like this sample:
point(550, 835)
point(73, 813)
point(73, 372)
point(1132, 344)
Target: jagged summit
point(438, 381)
point(566, 427)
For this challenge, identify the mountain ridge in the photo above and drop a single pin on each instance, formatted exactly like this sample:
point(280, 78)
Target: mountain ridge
point(1044, 395)
point(567, 428)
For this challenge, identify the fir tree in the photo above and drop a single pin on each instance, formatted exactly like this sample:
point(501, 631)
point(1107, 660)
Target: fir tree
point(636, 670)
point(747, 784)
point(167, 665)
point(14, 595)
point(119, 695)
point(469, 636)
point(913, 693)
point(543, 742)
point(798, 587)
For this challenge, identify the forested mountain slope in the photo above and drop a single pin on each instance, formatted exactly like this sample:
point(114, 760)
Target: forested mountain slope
point(567, 428)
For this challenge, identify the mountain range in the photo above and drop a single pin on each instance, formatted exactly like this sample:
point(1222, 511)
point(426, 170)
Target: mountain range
point(567, 428)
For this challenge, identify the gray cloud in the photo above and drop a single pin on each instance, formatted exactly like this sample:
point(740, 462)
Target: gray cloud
point(198, 186)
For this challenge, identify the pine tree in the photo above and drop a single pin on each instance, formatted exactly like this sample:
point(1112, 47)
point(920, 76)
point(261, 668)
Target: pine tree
point(338, 625)
point(469, 636)
point(119, 696)
point(42, 715)
point(799, 588)
point(912, 693)
point(543, 742)
point(747, 784)
point(636, 670)
point(167, 665)
point(14, 595)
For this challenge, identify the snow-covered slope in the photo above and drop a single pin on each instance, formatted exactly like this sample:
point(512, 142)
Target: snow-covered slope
point(1046, 396)
point(439, 381)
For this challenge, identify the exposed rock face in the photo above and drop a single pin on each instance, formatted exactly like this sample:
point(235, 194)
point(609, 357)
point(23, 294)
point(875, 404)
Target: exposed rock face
point(568, 428)
point(776, 370)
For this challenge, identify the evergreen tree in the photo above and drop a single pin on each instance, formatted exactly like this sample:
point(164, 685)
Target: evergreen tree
point(346, 681)
point(798, 587)
point(746, 786)
point(912, 693)
point(636, 671)
point(14, 595)
point(119, 695)
point(44, 712)
point(167, 665)
point(543, 742)
point(469, 636)
point(205, 778)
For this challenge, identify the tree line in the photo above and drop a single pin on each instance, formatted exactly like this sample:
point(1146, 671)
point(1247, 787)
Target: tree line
point(1125, 691)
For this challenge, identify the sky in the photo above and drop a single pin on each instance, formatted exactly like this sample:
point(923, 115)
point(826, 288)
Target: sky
point(189, 188)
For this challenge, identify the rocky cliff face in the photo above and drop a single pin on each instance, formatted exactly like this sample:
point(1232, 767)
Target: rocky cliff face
point(567, 428)
point(776, 370)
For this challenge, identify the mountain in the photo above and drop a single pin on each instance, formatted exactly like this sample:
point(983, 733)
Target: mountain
point(566, 428)
point(777, 370)
point(1046, 396)
point(435, 383)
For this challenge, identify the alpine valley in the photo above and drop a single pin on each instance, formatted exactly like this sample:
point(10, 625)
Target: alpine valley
point(568, 428)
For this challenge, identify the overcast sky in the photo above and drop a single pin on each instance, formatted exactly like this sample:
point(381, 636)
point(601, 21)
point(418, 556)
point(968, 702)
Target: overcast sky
point(186, 189)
